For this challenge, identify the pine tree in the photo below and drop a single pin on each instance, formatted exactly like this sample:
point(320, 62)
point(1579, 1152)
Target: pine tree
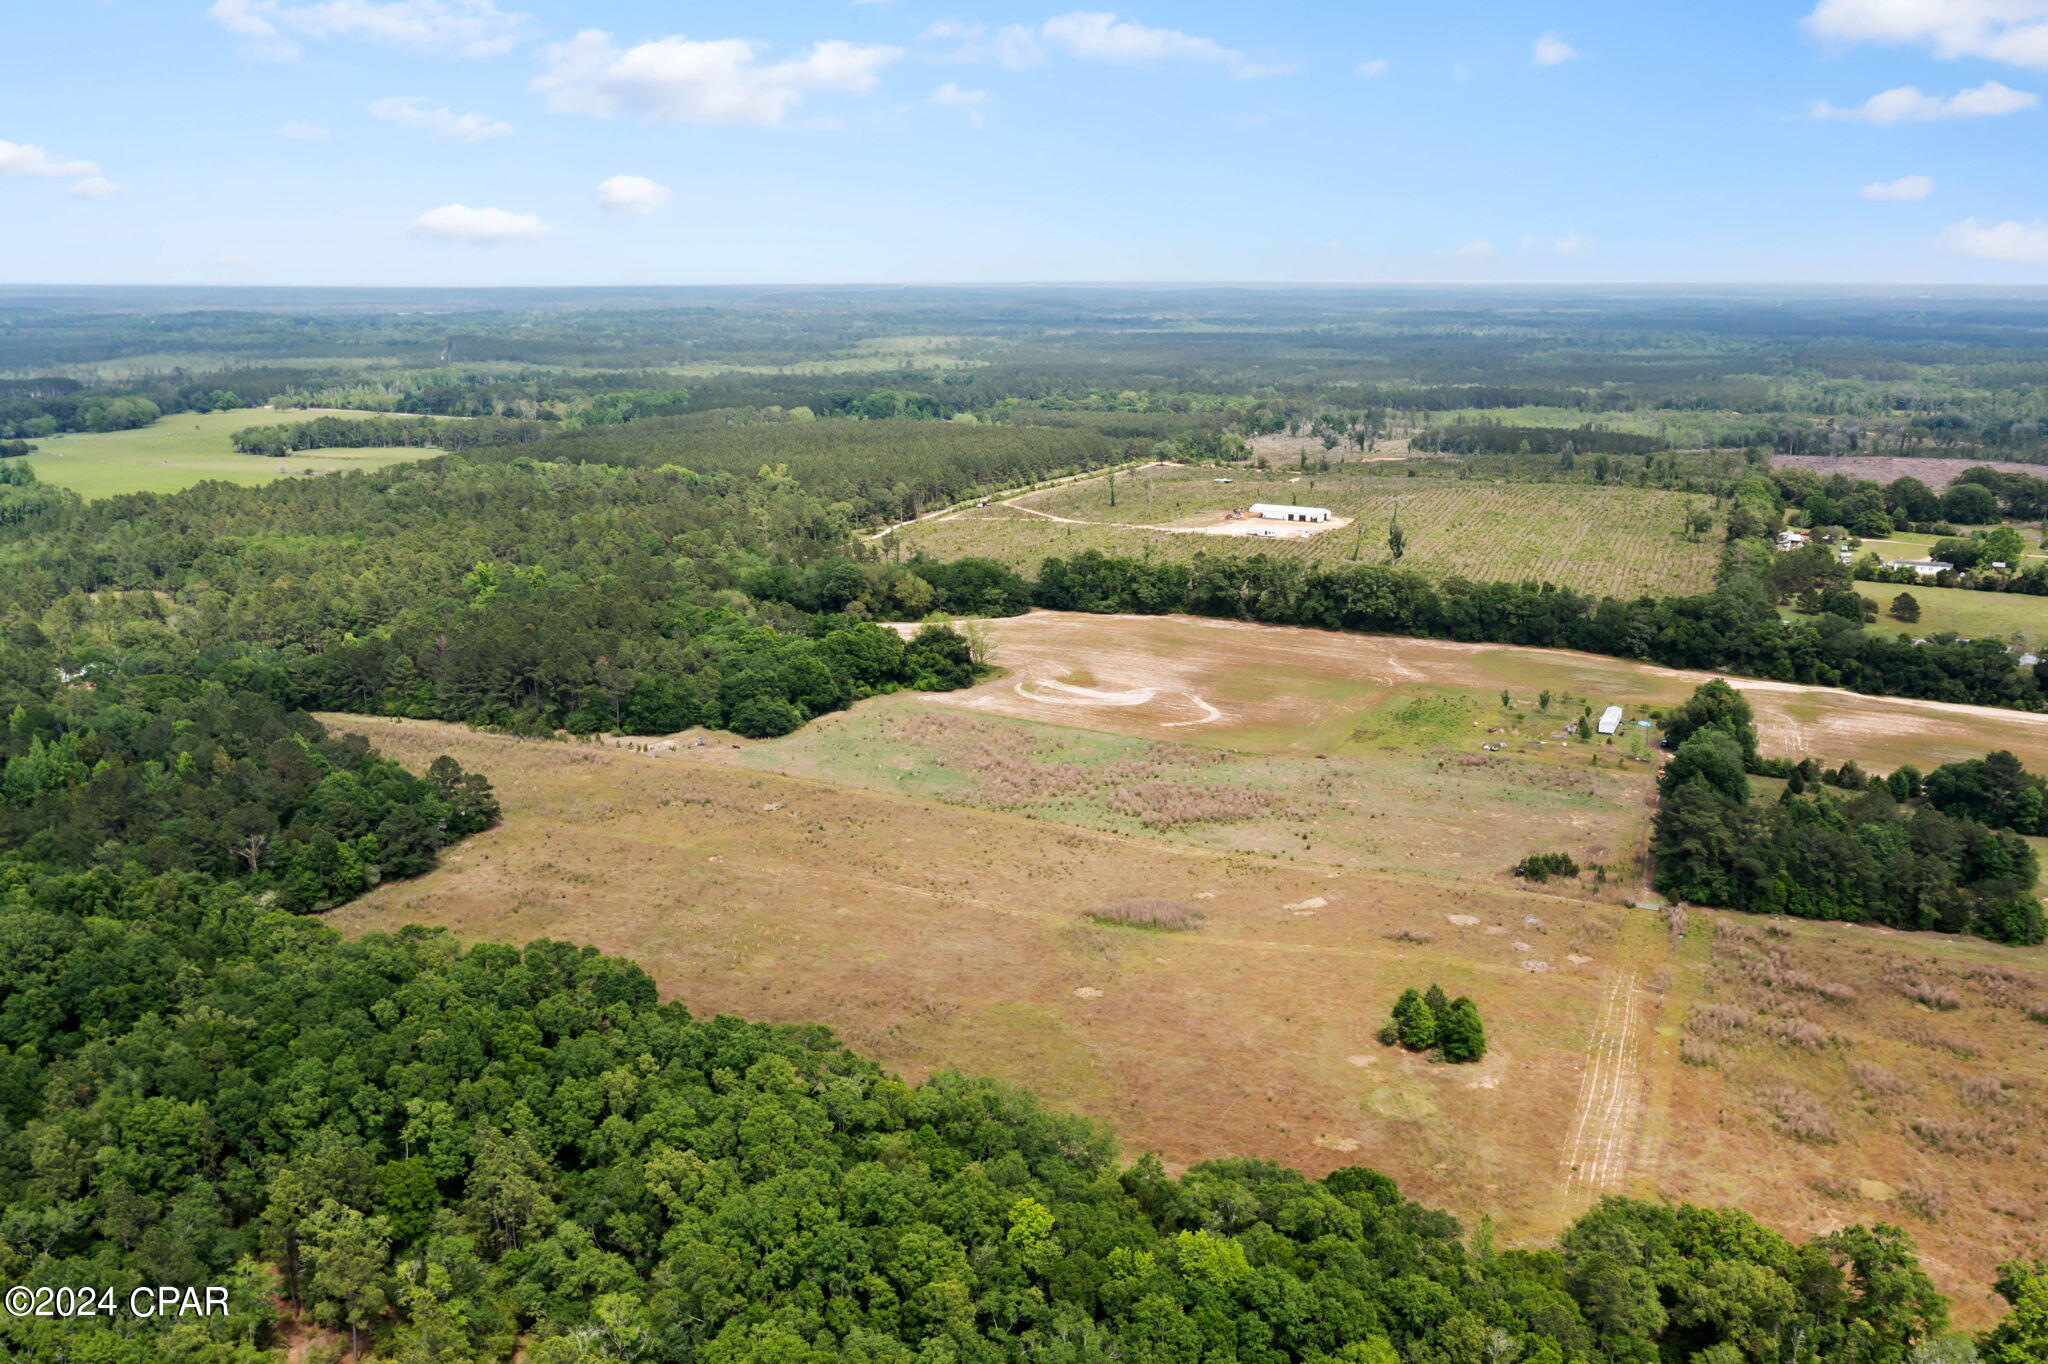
point(1414, 1021)
point(1461, 1033)
point(1439, 1003)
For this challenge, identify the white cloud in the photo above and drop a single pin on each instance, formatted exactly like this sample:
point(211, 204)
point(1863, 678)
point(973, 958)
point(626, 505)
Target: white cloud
point(1573, 243)
point(1377, 66)
point(2009, 241)
point(973, 101)
point(24, 158)
point(462, 28)
point(476, 226)
point(1910, 104)
point(1907, 189)
point(2012, 31)
point(631, 196)
point(681, 80)
point(1100, 36)
point(1472, 251)
point(412, 112)
point(1014, 46)
point(303, 132)
point(21, 158)
point(1088, 36)
point(1551, 50)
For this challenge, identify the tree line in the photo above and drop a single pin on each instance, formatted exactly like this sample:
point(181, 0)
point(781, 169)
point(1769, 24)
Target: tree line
point(1943, 852)
point(355, 433)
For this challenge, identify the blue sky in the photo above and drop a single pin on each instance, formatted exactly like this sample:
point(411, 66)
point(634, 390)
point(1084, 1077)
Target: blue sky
point(634, 142)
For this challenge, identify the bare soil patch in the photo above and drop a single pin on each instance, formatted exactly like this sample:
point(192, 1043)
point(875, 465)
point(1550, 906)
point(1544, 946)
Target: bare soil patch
point(1937, 474)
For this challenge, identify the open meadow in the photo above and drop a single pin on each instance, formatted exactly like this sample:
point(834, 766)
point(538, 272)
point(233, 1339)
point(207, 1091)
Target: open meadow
point(940, 878)
point(1625, 541)
point(178, 451)
point(2011, 616)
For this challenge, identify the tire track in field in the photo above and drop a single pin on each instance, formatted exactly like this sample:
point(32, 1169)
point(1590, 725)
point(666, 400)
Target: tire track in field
point(1601, 1147)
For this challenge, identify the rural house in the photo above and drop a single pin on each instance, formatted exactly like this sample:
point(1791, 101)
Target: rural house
point(1926, 568)
point(1610, 720)
point(1276, 511)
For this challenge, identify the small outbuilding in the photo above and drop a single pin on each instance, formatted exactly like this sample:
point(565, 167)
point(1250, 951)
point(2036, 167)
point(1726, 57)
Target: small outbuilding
point(1610, 720)
point(1280, 511)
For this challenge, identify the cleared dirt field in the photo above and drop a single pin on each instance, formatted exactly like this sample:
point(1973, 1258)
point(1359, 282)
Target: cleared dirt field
point(1281, 689)
point(1935, 473)
point(1625, 541)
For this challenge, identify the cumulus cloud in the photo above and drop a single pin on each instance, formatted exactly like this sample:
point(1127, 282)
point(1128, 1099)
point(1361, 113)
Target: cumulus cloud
point(411, 111)
point(1551, 50)
point(1907, 189)
point(1013, 46)
point(1089, 36)
point(1911, 104)
point(1100, 36)
point(25, 158)
point(303, 132)
point(2009, 241)
point(682, 80)
point(476, 226)
point(1376, 66)
point(2011, 31)
point(972, 101)
point(631, 196)
point(461, 28)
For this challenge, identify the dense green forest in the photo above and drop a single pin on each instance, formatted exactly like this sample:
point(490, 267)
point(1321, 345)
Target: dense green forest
point(637, 594)
point(350, 433)
point(1942, 852)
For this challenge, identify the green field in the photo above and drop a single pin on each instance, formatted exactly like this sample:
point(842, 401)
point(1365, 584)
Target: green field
point(1624, 541)
point(1958, 610)
point(191, 447)
point(1908, 544)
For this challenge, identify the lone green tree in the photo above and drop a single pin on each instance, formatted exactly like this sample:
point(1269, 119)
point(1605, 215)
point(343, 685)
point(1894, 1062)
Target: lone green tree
point(1397, 539)
point(1414, 1022)
point(1460, 1032)
point(1905, 608)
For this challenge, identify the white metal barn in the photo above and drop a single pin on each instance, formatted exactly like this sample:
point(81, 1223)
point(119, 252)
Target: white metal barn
point(1277, 511)
point(1610, 720)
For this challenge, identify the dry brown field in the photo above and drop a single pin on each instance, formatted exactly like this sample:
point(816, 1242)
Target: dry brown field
point(880, 873)
point(1935, 473)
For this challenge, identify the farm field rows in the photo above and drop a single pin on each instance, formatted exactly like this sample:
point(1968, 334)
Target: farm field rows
point(185, 448)
point(1624, 541)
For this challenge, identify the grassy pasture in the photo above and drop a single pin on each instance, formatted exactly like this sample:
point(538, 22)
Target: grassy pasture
point(1393, 796)
point(935, 936)
point(1614, 540)
point(178, 451)
point(1958, 610)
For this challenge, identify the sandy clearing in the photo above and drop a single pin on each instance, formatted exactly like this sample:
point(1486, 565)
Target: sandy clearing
point(1285, 686)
